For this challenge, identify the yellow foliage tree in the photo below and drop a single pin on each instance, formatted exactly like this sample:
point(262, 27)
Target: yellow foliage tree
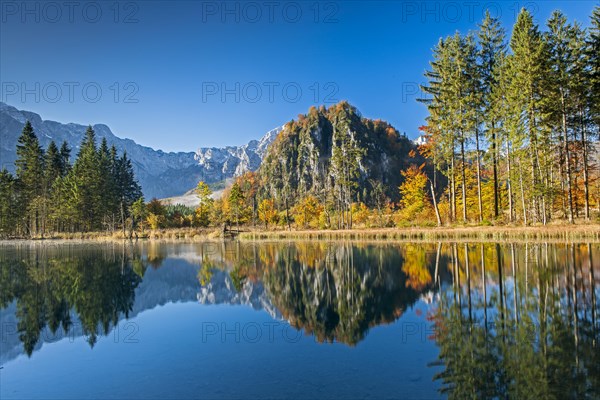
point(306, 212)
point(360, 213)
point(267, 212)
point(414, 199)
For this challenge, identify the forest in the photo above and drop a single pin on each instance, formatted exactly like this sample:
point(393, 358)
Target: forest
point(513, 124)
point(48, 194)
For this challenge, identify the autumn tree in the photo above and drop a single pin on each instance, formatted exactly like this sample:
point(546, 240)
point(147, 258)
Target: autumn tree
point(236, 203)
point(414, 199)
point(267, 213)
point(203, 211)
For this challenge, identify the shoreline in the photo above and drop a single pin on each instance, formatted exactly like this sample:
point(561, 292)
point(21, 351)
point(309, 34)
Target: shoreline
point(583, 232)
point(466, 233)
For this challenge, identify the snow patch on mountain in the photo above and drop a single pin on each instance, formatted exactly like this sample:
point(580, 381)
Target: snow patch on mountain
point(159, 173)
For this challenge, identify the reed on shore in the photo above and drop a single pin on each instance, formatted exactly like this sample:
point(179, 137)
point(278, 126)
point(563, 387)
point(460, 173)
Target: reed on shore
point(586, 232)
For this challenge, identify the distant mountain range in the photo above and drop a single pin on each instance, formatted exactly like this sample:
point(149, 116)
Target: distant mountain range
point(159, 173)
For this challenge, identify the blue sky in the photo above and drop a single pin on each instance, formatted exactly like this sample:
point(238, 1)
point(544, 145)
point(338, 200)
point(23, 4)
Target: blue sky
point(181, 75)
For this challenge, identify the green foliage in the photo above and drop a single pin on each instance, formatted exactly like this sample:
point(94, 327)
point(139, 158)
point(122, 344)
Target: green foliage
point(204, 208)
point(96, 193)
point(236, 202)
point(339, 158)
point(528, 113)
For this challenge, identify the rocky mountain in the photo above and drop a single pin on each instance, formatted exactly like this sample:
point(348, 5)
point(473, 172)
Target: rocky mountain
point(328, 149)
point(160, 174)
point(220, 290)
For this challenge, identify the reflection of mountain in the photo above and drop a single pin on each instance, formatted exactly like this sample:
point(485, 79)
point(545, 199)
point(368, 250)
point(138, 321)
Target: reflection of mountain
point(334, 291)
point(221, 290)
point(343, 294)
point(173, 281)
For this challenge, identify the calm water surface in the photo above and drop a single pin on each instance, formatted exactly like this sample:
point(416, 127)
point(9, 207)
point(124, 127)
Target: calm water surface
point(299, 320)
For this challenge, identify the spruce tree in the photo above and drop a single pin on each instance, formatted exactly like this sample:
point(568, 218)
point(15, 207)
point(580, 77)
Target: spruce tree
point(30, 174)
point(582, 103)
point(65, 154)
point(53, 164)
point(9, 204)
point(52, 172)
point(127, 190)
point(236, 202)
point(88, 180)
point(491, 53)
point(557, 99)
point(528, 72)
point(594, 66)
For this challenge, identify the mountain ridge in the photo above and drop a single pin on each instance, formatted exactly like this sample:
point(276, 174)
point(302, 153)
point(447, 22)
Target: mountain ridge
point(160, 173)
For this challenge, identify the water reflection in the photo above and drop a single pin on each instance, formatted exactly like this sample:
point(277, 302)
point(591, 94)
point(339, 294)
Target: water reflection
point(520, 322)
point(509, 320)
point(98, 284)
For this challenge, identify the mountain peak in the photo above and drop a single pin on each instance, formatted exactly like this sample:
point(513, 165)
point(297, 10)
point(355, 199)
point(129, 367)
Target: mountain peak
point(160, 174)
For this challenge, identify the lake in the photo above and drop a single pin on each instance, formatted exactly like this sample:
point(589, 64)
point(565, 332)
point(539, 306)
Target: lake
point(297, 320)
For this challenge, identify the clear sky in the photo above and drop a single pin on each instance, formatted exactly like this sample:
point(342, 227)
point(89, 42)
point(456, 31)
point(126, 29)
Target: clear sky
point(181, 75)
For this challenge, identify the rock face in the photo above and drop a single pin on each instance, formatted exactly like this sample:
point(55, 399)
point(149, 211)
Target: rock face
point(234, 160)
point(161, 174)
point(327, 147)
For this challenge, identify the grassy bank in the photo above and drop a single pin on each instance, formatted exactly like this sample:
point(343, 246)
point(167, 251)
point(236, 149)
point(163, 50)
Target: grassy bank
point(480, 233)
point(187, 234)
point(588, 232)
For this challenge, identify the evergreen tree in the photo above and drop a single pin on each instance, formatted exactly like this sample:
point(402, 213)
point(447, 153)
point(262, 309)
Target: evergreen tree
point(30, 173)
point(492, 51)
point(53, 171)
point(582, 104)
point(107, 185)
point(594, 65)
point(127, 188)
point(557, 97)
point(528, 70)
point(236, 202)
point(9, 204)
point(65, 154)
point(53, 164)
point(88, 180)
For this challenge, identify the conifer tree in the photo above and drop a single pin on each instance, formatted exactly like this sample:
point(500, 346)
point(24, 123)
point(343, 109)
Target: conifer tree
point(557, 99)
point(65, 154)
point(491, 53)
point(594, 65)
point(30, 174)
point(236, 202)
point(88, 180)
point(8, 204)
point(528, 70)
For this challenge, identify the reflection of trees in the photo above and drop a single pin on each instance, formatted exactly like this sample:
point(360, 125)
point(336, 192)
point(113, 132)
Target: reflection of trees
point(338, 291)
point(541, 339)
point(335, 291)
point(98, 284)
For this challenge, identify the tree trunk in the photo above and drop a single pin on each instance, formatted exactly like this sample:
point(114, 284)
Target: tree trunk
point(586, 190)
point(464, 179)
point(435, 207)
point(495, 170)
point(508, 183)
point(567, 157)
point(478, 175)
point(523, 195)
